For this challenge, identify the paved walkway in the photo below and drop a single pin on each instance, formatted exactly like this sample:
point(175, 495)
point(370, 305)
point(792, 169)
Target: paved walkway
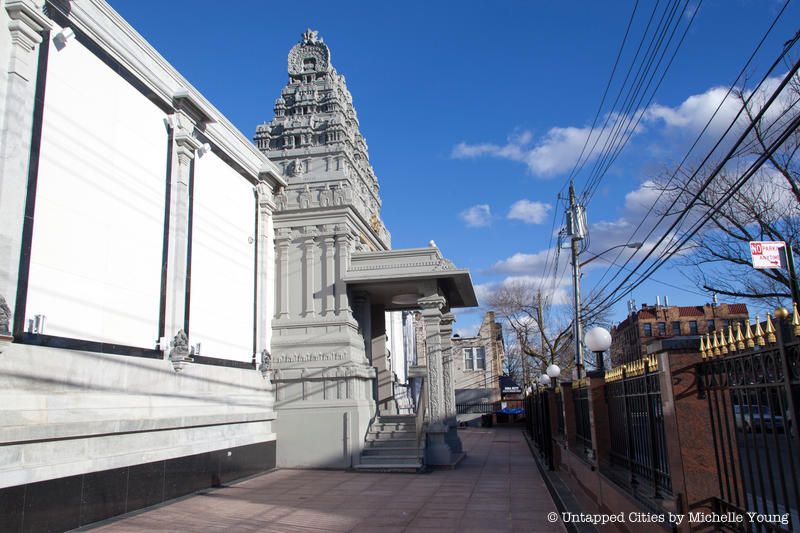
point(496, 488)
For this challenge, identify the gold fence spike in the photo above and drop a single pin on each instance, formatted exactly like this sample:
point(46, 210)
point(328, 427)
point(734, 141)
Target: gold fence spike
point(723, 345)
point(739, 337)
point(759, 333)
point(795, 320)
point(702, 347)
point(716, 344)
point(731, 340)
point(709, 350)
point(770, 331)
point(748, 335)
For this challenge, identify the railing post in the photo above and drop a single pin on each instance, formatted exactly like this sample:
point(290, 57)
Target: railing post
point(787, 376)
point(628, 427)
point(651, 430)
point(598, 417)
point(688, 430)
point(552, 406)
point(569, 414)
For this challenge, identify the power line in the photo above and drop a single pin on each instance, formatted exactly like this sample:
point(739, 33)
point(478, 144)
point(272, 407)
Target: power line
point(710, 153)
point(787, 132)
point(621, 138)
point(668, 253)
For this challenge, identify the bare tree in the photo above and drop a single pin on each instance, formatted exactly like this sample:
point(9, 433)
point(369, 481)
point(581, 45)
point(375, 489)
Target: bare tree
point(766, 208)
point(539, 333)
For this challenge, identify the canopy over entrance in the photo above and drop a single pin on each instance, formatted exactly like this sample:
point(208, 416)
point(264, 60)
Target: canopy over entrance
point(397, 279)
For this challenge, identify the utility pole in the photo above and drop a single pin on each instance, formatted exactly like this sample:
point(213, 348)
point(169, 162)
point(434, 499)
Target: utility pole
point(540, 312)
point(792, 274)
point(576, 230)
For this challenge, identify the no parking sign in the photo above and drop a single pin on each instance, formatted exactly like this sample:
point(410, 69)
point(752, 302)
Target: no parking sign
point(768, 254)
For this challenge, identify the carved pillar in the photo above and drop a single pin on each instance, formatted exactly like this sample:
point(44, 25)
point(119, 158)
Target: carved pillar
point(448, 369)
point(309, 242)
point(283, 236)
point(449, 383)
point(330, 278)
point(432, 315)
point(26, 24)
point(437, 451)
point(265, 247)
point(185, 145)
point(343, 261)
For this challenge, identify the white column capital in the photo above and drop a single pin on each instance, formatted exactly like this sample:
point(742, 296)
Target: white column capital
point(432, 306)
point(265, 196)
point(27, 22)
point(448, 319)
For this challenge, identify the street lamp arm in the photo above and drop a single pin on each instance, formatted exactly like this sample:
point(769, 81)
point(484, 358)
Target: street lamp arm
point(635, 245)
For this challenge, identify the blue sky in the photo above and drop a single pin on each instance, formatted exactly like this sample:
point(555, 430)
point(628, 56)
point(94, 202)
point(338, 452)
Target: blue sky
point(473, 111)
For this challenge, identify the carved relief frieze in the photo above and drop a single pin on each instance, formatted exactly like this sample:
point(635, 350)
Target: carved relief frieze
point(306, 357)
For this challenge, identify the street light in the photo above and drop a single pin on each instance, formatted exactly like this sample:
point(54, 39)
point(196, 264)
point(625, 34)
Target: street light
point(544, 380)
point(553, 372)
point(634, 245)
point(598, 340)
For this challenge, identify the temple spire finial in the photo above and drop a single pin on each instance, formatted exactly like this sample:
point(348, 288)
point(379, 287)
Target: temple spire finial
point(311, 36)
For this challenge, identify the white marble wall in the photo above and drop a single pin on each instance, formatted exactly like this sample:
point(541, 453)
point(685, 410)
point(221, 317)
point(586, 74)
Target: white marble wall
point(67, 412)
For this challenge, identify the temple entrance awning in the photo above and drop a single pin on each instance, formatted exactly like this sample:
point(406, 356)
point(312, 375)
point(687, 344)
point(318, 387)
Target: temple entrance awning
point(396, 279)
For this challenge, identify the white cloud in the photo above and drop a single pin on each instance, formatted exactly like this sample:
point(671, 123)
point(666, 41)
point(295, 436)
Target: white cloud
point(557, 295)
point(477, 216)
point(694, 112)
point(644, 198)
point(521, 263)
point(528, 211)
point(553, 154)
point(556, 152)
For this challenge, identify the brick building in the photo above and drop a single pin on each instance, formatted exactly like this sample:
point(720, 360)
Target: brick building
point(630, 337)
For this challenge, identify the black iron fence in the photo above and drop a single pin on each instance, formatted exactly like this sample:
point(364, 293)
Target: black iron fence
point(751, 380)
point(583, 430)
point(537, 411)
point(636, 426)
point(559, 411)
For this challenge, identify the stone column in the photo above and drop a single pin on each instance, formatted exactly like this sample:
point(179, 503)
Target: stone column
point(437, 451)
point(265, 247)
point(184, 147)
point(380, 361)
point(330, 277)
point(25, 28)
point(449, 383)
point(342, 240)
point(309, 243)
point(283, 236)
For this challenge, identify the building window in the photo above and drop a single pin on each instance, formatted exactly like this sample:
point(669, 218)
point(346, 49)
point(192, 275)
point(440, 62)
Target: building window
point(676, 328)
point(662, 328)
point(711, 326)
point(725, 324)
point(693, 327)
point(475, 358)
point(648, 330)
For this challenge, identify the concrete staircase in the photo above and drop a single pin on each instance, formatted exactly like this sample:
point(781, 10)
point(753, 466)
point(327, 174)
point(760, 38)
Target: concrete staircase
point(391, 446)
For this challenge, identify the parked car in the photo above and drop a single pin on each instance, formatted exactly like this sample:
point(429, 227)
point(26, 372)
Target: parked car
point(751, 418)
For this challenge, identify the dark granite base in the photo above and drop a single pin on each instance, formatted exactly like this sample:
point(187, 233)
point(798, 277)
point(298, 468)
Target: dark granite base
point(67, 503)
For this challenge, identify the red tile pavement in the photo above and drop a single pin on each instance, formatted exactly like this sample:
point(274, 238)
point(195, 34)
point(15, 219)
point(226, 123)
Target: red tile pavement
point(496, 488)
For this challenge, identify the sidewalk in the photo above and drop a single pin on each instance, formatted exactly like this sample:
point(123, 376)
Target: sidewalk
point(496, 488)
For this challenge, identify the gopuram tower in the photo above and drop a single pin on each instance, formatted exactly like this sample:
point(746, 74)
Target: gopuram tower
point(336, 275)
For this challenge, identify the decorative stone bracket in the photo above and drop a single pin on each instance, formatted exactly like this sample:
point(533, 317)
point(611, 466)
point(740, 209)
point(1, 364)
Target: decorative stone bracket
point(266, 364)
point(179, 354)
